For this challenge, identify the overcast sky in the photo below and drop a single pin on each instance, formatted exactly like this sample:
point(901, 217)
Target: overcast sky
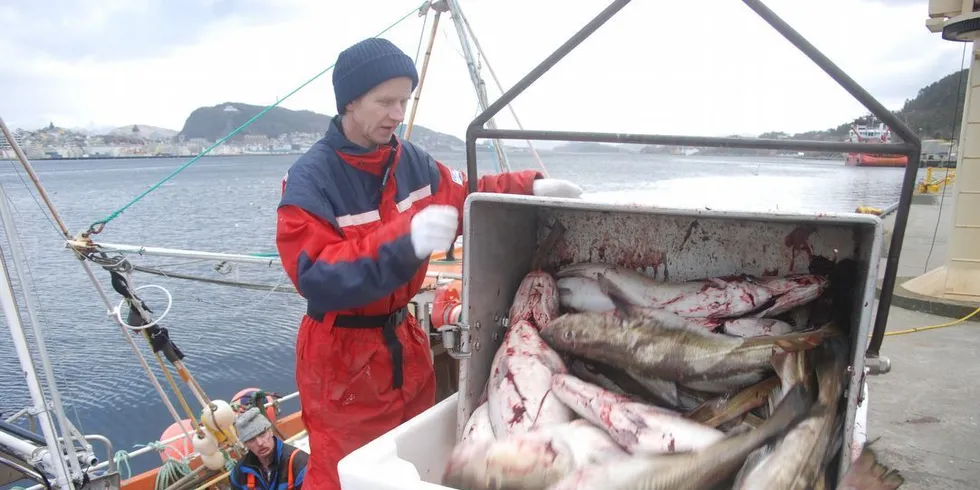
point(656, 67)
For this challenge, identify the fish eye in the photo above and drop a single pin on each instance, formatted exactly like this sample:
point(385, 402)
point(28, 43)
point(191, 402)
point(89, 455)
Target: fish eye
point(568, 335)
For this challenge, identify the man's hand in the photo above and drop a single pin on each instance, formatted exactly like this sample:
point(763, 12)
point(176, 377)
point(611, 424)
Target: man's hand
point(556, 188)
point(434, 228)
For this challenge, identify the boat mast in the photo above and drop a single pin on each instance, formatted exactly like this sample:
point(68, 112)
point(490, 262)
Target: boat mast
point(51, 459)
point(478, 84)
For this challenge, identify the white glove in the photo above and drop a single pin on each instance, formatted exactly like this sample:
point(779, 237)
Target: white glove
point(556, 188)
point(434, 228)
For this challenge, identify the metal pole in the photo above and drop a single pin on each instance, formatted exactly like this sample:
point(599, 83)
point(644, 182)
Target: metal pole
point(478, 85)
point(894, 252)
point(425, 67)
point(19, 258)
point(521, 85)
point(911, 168)
point(846, 82)
point(56, 462)
point(513, 113)
point(911, 147)
point(33, 176)
point(707, 141)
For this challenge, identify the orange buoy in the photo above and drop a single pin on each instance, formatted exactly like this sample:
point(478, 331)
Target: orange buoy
point(244, 397)
point(181, 447)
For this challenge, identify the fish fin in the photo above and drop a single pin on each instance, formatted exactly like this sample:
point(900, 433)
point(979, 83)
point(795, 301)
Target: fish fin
point(795, 406)
point(796, 341)
point(866, 473)
point(618, 297)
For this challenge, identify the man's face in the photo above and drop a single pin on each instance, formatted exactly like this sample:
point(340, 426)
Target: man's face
point(377, 113)
point(262, 445)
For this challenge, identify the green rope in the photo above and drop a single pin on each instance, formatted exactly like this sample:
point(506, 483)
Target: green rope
point(171, 471)
point(122, 459)
point(98, 225)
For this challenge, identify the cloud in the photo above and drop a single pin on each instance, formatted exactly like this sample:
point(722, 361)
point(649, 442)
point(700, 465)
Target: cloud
point(119, 29)
point(654, 68)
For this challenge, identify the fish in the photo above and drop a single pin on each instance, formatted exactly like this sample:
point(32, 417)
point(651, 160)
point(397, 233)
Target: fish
point(638, 428)
point(478, 426)
point(797, 461)
point(698, 359)
point(530, 460)
point(791, 291)
point(866, 473)
point(536, 300)
point(582, 294)
point(756, 327)
point(654, 391)
point(717, 297)
point(716, 412)
point(695, 470)
point(519, 390)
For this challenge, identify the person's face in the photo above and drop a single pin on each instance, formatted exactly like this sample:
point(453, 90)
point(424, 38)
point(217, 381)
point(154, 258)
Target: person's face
point(262, 445)
point(376, 114)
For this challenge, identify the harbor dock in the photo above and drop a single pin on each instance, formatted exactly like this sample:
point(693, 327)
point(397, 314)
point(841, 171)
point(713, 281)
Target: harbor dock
point(923, 417)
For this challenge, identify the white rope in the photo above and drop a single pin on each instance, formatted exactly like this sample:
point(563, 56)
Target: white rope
point(118, 309)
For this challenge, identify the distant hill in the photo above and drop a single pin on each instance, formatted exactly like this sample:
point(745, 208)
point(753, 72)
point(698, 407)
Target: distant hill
point(589, 147)
point(144, 131)
point(213, 123)
point(932, 113)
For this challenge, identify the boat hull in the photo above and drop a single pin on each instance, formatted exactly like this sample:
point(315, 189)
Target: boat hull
point(869, 160)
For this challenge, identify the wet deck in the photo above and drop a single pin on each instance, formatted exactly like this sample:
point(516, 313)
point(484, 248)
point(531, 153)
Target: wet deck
point(925, 410)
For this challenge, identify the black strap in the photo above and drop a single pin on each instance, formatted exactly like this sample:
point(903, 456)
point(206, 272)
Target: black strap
point(387, 323)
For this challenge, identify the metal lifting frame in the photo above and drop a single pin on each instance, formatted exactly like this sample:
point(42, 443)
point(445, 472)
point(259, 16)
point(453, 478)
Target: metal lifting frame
point(910, 147)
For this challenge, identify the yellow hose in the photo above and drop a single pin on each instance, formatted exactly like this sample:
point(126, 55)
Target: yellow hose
point(930, 327)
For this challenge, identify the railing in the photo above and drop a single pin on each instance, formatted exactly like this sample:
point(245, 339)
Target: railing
point(911, 147)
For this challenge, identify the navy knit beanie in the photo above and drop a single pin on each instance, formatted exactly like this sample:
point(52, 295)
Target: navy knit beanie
point(366, 64)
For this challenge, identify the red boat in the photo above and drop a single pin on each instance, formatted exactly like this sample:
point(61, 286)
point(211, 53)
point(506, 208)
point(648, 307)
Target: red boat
point(862, 133)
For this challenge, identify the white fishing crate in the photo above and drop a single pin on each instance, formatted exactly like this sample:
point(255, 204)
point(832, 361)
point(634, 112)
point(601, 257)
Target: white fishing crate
point(502, 233)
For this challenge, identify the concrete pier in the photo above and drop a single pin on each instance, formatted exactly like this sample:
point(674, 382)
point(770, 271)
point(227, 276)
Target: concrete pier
point(926, 410)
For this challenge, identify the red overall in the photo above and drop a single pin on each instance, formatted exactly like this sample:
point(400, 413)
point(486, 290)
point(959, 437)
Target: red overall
point(363, 364)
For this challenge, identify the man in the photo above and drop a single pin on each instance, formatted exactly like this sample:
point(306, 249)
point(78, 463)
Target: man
point(360, 214)
point(270, 463)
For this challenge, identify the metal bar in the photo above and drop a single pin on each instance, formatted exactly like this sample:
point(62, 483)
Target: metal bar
point(26, 470)
point(19, 261)
point(528, 79)
point(478, 85)
point(510, 107)
point(846, 82)
point(910, 147)
point(195, 254)
point(18, 414)
point(704, 141)
point(53, 462)
point(30, 172)
point(894, 252)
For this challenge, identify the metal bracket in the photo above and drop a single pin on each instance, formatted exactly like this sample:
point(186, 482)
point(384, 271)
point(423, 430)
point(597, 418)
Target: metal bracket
point(456, 340)
point(878, 365)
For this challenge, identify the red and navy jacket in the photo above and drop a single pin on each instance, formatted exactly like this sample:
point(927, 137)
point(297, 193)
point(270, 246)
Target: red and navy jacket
point(288, 470)
point(343, 230)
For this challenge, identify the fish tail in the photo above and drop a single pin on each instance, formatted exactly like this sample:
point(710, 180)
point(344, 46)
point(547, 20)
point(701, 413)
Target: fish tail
point(616, 295)
point(866, 473)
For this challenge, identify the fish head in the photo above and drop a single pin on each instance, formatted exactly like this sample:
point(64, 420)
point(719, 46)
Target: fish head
point(582, 333)
point(525, 460)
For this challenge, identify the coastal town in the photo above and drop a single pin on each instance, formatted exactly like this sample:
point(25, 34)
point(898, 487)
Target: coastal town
point(57, 143)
